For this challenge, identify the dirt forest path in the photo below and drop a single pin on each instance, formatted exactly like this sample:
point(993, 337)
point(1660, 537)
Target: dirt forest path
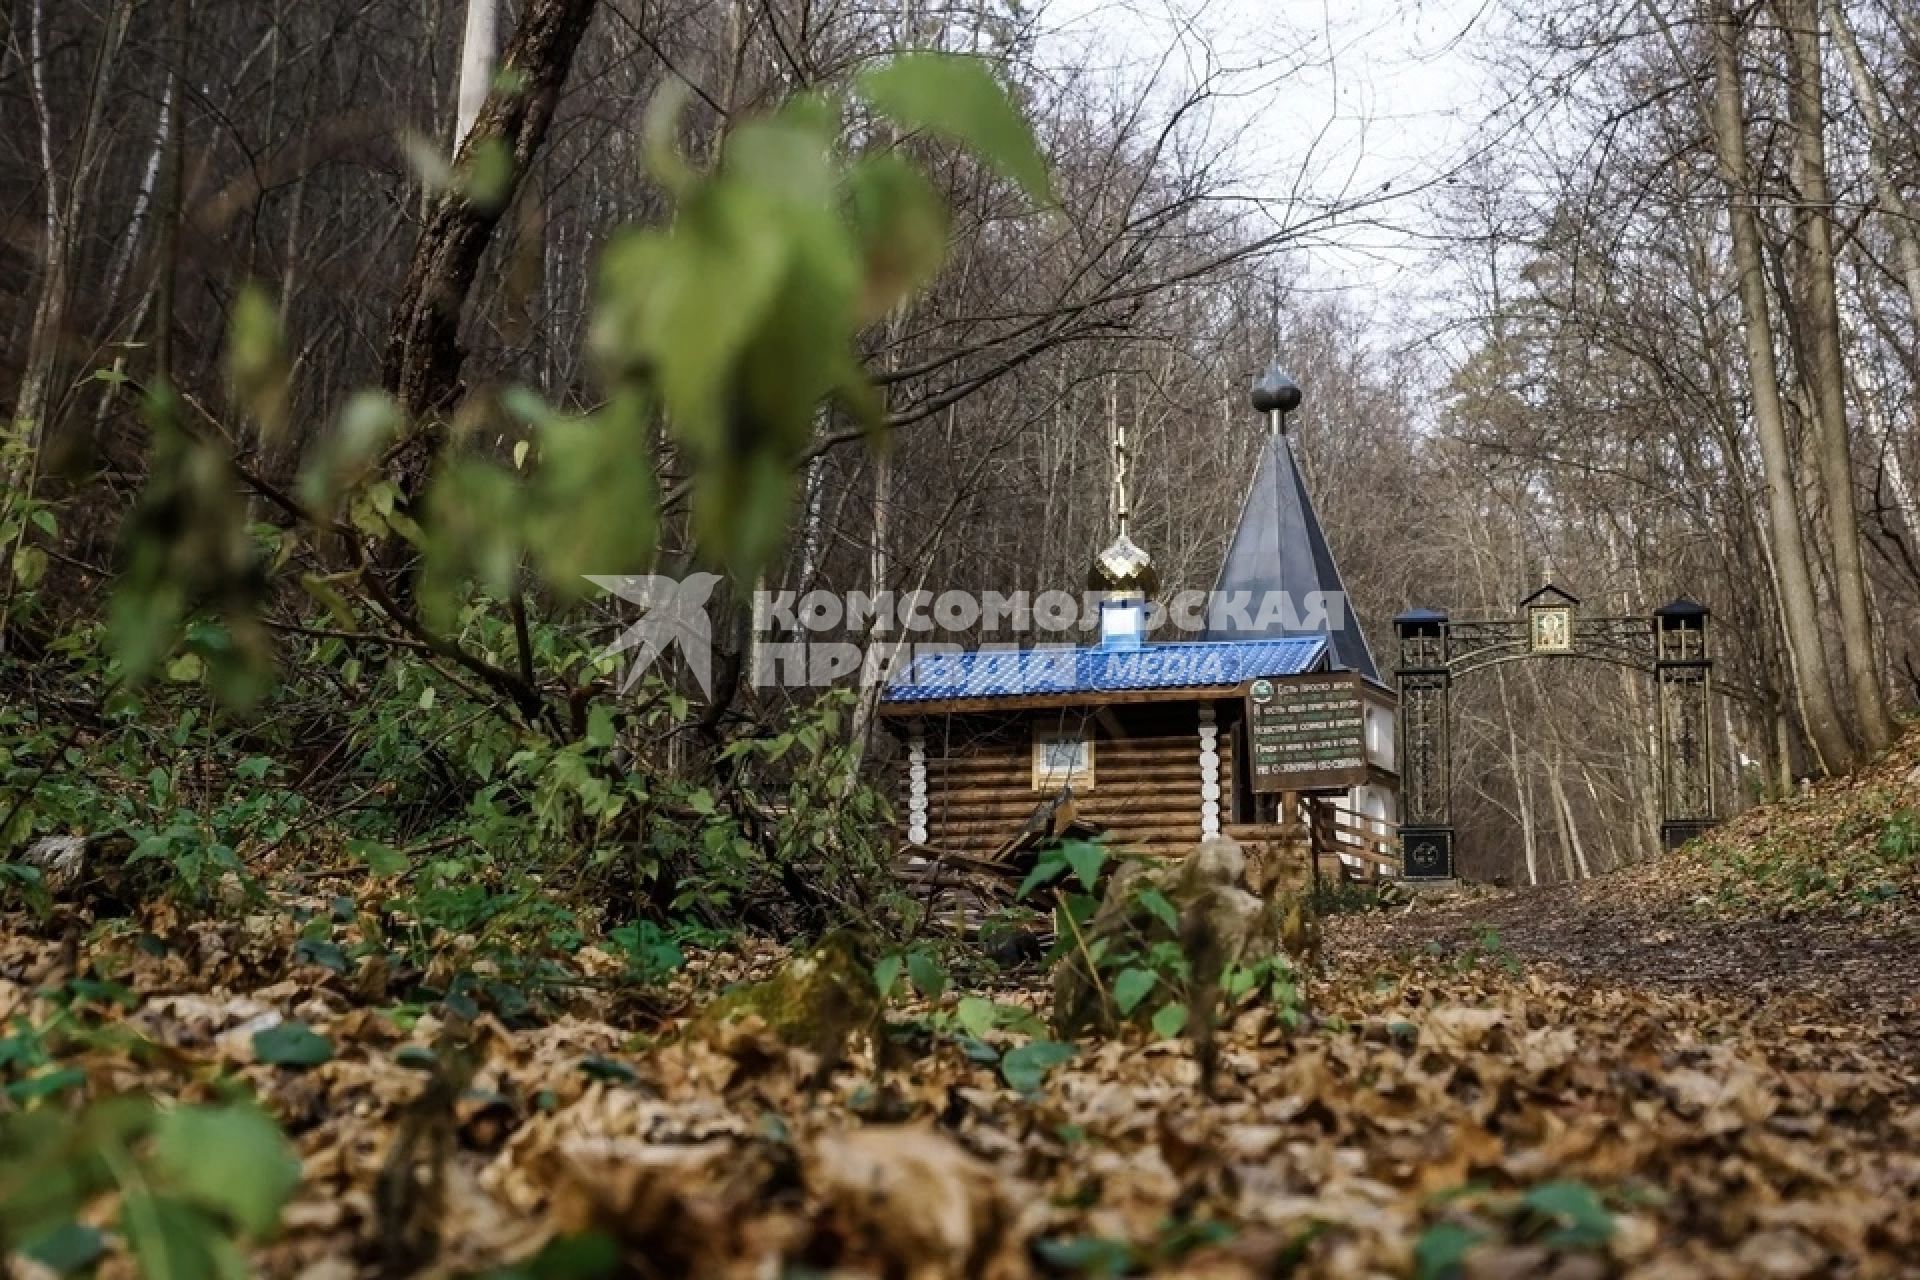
point(1796, 915)
point(1842, 968)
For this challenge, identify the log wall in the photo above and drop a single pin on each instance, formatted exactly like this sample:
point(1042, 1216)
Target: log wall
point(975, 787)
point(1146, 776)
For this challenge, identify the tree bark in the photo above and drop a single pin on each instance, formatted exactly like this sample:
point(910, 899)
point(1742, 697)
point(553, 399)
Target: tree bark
point(1893, 205)
point(1826, 373)
point(143, 198)
point(49, 312)
point(1800, 613)
point(1572, 847)
point(33, 400)
point(880, 649)
point(423, 357)
point(1522, 780)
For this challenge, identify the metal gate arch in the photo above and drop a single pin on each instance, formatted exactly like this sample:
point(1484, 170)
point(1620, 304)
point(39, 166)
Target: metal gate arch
point(1670, 644)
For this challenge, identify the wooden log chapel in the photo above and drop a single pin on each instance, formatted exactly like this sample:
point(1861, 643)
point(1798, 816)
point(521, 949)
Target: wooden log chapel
point(1282, 739)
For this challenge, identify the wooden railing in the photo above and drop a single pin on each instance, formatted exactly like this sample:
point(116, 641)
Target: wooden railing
point(1368, 842)
point(1348, 844)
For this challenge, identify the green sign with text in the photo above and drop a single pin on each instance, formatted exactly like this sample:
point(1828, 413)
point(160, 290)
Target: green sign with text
point(1307, 733)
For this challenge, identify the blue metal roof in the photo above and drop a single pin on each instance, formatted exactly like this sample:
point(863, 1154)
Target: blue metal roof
point(998, 673)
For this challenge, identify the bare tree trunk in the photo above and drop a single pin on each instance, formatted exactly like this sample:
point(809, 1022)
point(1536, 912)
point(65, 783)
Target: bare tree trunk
point(1783, 752)
point(61, 210)
point(1529, 837)
point(477, 49)
point(1593, 794)
point(1522, 779)
point(423, 357)
point(1893, 204)
point(1906, 499)
point(880, 649)
point(1642, 771)
point(1895, 210)
point(124, 256)
point(1800, 613)
point(1569, 832)
point(128, 252)
point(1827, 373)
point(169, 243)
point(813, 517)
point(1643, 782)
point(33, 402)
point(49, 312)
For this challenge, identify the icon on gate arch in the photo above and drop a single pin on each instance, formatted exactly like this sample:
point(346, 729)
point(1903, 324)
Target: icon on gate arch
point(1549, 620)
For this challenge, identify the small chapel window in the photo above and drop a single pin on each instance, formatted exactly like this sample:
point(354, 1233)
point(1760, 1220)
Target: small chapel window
point(1061, 759)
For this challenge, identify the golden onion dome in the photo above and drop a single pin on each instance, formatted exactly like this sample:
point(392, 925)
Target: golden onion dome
point(1124, 569)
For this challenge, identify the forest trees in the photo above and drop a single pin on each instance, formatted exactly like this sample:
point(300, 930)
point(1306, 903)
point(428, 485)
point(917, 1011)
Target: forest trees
point(1805, 641)
point(1697, 341)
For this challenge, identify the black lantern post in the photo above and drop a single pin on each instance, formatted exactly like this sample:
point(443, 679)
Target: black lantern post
point(1426, 818)
point(1683, 673)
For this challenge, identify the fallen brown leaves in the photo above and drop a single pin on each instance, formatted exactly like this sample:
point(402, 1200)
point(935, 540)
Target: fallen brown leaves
point(1572, 1097)
point(1427, 1109)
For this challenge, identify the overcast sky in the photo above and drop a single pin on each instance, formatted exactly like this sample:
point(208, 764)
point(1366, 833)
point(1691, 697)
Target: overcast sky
point(1355, 93)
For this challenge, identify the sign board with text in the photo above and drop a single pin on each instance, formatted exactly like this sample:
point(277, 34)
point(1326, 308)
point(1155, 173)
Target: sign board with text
point(1307, 733)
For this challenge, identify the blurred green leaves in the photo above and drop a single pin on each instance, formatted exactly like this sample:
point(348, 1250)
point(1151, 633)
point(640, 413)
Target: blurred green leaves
point(959, 99)
point(344, 457)
point(291, 1044)
point(186, 549)
point(741, 318)
point(194, 1184)
point(592, 500)
point(1026, 1067)
point(257, 362)
point(902, 228)
point(231, 1159)
point(486, 177)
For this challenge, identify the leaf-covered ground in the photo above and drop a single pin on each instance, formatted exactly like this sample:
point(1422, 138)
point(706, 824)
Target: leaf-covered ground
point(1702, 1067)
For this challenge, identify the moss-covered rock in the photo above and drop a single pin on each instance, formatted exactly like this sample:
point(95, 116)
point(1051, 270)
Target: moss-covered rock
point(818, 1001)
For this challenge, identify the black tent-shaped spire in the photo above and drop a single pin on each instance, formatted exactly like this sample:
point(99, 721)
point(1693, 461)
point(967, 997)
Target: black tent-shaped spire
point(1279, 547)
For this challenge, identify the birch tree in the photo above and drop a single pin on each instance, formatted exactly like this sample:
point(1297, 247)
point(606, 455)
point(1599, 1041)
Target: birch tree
point(478, 47)
point(64, 193)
